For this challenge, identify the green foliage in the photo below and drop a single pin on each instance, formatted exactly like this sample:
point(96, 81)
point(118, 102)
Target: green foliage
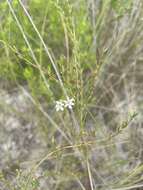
point(66, 31)
point(121, 6)
point(34, 183)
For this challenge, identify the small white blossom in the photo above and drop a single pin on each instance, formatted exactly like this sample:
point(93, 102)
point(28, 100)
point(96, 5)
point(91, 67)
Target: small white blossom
point(59, 106)
point(69, 103)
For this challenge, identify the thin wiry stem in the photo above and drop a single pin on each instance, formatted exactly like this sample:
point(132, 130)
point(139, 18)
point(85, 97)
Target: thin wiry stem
point(90, 175)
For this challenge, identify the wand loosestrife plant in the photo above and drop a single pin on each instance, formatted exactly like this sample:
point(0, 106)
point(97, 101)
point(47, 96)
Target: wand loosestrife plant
point(59, 49)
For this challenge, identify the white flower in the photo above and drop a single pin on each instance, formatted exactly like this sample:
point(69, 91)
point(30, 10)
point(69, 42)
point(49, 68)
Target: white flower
point(59, 106)
point(69, 103)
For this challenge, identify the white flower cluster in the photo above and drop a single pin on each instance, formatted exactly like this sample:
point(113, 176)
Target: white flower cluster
point(60, 105)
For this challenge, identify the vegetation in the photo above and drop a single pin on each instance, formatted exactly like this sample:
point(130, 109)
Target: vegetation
point(89, 52)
